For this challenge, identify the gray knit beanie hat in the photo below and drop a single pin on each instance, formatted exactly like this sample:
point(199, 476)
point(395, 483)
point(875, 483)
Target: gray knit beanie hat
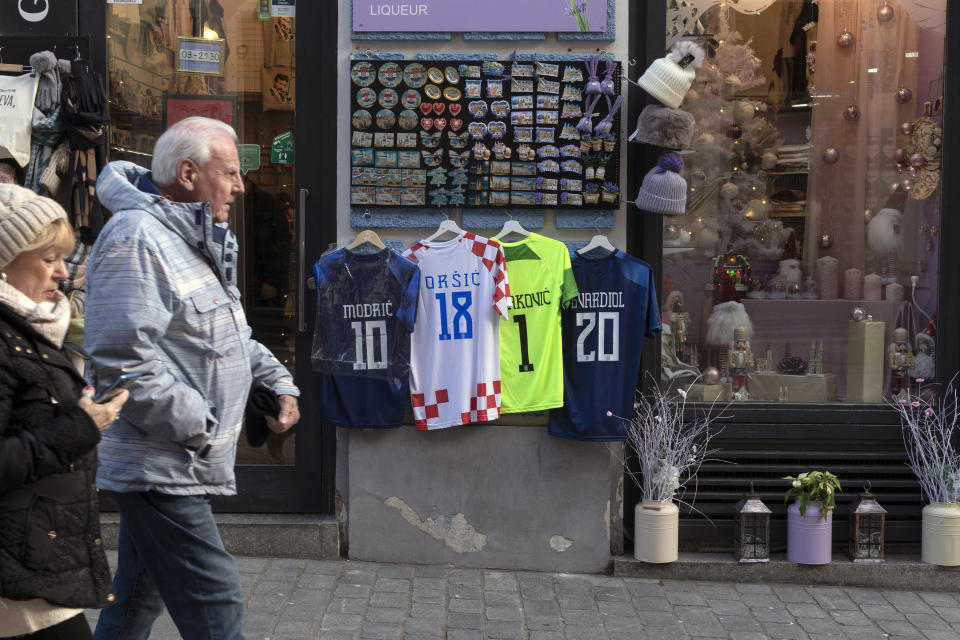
point(664, 190)
point(23, 215)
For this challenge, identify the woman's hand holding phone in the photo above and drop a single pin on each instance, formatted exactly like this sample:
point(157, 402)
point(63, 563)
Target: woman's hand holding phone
point(103, 413)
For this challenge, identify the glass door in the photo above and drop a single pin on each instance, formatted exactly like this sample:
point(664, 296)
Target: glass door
point(234, 60)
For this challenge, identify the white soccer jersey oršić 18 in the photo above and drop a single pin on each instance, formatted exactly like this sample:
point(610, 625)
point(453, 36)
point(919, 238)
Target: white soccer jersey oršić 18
point(455, 349)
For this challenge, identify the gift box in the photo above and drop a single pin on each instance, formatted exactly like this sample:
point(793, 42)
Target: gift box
point(700, 392)
point(865, 361)
point(767, 386)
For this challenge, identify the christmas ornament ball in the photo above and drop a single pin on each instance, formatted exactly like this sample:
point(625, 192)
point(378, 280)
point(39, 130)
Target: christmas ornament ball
point(858, 314)
point(907, 184)
point(867, 214)
point(917, 160)
point(845, 39)
point(734, 131)
point(831, 155)
point(906, 128)
point(852, 112)
point(904, 95)
point(826, 240)
point(729, 190)
point(899, 155)
point(885, 13)
point(711, 375)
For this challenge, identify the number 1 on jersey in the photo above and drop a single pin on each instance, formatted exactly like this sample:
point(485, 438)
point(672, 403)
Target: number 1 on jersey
point(525, 364)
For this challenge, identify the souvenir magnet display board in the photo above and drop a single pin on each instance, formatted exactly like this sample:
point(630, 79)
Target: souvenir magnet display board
point(485, 134)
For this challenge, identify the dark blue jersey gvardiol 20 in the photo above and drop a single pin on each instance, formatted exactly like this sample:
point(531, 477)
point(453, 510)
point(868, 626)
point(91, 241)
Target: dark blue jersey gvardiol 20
point(603, 330)
point(366, 308)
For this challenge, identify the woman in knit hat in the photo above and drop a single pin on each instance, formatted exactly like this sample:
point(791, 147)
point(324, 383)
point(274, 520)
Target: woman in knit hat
point(52, 564)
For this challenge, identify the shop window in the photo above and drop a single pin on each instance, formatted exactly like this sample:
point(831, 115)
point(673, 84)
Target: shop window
point(229, 60)
point(813, 199)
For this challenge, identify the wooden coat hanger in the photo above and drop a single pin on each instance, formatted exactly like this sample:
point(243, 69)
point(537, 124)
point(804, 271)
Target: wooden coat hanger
point(367, 237)
point(445, 226)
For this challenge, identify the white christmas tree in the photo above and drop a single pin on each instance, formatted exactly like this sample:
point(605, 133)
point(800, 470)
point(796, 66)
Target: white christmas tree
point(734, 144)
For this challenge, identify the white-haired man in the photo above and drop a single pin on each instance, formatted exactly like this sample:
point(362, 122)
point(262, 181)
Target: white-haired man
point(162, 300)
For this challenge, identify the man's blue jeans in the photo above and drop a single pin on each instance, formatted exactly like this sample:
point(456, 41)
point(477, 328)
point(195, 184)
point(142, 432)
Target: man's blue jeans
point(170, 553)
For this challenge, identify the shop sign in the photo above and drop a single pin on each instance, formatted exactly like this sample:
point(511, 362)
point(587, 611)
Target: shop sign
point(468, 15)
point(283, 8)
point(249, 157)
point(282, 151)
point(178, 107)
point(200, 55)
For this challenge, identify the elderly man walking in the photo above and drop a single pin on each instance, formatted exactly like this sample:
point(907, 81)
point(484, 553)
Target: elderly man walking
point(162, 300)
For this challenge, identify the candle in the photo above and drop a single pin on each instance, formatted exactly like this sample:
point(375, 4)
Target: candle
point(893, 292)
point(852, 284)
point(872, 286)
point(828, 270)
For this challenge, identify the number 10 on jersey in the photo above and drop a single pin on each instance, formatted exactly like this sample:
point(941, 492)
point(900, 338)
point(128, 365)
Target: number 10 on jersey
point(364, 332)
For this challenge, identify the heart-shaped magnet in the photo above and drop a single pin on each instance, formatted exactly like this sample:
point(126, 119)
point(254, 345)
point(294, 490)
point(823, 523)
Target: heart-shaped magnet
point(439, 108)
point(455, 109)
point(426, 108)
point(456, 123)
point(440, 124)
point(426, 123)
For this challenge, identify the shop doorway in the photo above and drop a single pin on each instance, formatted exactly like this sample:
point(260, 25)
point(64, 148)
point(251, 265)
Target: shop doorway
point(236, 60)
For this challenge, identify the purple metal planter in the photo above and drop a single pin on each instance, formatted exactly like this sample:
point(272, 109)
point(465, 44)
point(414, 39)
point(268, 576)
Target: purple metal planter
point(809, 537)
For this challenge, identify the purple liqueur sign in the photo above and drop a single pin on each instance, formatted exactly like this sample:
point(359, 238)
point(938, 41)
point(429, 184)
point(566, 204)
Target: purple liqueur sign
point(471, 15)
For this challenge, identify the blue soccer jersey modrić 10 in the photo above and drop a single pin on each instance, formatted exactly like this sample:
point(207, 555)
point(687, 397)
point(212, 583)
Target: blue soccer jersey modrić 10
point(366, 308)
point(603, 332)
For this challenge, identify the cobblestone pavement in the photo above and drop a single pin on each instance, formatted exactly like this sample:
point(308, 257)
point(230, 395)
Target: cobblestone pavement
point(344, 600)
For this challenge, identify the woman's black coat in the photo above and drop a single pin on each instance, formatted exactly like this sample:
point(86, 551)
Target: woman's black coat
point(50, 544)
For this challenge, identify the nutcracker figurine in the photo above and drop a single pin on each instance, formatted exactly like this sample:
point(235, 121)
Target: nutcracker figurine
point(740, 359)
point(900, 359)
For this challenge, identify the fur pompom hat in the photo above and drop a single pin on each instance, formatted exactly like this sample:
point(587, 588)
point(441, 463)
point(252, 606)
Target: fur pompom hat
point(664, 127)
point(669, 78)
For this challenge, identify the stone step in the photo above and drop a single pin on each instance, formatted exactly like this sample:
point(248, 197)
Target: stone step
point(261, 535)
point(897, 572)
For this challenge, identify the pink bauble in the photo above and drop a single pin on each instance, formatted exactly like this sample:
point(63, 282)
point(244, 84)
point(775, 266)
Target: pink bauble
point(831, 155)
point(845, 39)
point(906, 185)
point(904, 95)
point(899, 155)
point(917, 160)
point(826, 240)
point(906, 128)
point(711, 375)
point(852, 112)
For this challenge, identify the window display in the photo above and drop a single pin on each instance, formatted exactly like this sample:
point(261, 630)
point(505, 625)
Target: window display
point(803, 266)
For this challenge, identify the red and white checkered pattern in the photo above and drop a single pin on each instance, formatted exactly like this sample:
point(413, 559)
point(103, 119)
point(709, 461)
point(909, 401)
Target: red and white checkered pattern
point(423, 413)
point(460, 375)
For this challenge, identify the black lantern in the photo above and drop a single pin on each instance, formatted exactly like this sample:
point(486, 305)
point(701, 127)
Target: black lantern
point(867, 519)
point(752, 541)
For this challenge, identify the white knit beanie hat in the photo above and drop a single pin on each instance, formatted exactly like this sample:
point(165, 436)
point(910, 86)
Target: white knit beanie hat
point(664, 190)
point(23, 215)
point(669, 78)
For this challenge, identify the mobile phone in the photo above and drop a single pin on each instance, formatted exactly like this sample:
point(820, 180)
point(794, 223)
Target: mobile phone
point(121, 381)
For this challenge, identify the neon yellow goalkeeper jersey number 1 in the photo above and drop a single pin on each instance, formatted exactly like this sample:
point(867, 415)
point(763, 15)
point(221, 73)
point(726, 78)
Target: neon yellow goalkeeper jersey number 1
point(531, 357)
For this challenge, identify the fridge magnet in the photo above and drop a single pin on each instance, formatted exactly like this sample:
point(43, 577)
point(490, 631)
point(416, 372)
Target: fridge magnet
point(361, 157)
point(492, 68)
point(385, 158)
point(547, 86)
point(452, 94)
point(407, 140)
point(415, 75)
point(548, 151)
point(500, 108)
point(548, 69)
point(408, 159)
point(522, 198)
point(278, 89)
point(469, 71)
point(361, 119)
point(501, 198)
point(452, 75)
point(547, 101)
point(388, 99)
point(430, 140)
point(434, 75)
point(477, 108)
point(411, 99)
point(366, 97)
point(521, 102)
point(361, 139)
point(389, 74)
point(521, 118)
point(362, 74)
point(473, 88)
point(494, 88)
point(432, 91)
point(521, 85)
point(458, 141)
point(386, 119)
point(572, 74)
point(407, 119)
point(383, 140)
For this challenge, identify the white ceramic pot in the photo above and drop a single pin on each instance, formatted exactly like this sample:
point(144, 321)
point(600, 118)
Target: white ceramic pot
point(941, 534)
point(655, 531)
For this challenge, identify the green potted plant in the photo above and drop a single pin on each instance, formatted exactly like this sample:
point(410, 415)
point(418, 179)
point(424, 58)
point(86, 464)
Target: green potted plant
point(810, 516)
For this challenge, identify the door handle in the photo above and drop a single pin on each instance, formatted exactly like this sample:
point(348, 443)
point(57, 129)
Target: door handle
point(301, 258)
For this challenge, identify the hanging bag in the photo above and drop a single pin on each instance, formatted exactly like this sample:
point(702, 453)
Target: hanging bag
point(17, 94)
